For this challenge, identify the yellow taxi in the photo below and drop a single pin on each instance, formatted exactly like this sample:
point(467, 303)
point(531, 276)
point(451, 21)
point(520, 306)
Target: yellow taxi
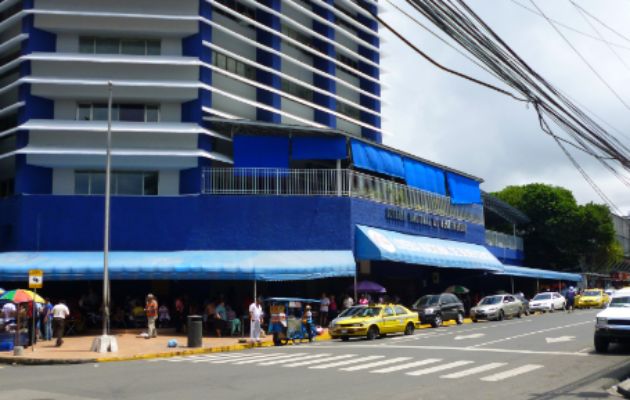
point(592, 298)
point(373, 321)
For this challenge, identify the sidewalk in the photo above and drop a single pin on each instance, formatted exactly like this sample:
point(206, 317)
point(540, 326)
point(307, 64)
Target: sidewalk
point(76, 349)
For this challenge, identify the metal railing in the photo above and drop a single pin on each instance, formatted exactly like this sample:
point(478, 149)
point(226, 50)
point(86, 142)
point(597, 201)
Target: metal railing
point(332, 182)
point(504, 241)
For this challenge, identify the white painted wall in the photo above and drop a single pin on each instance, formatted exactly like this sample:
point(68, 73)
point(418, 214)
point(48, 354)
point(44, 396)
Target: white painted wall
point(228, 105)
point(234, 45)
point(170, 112)
point(63, 181)
point(67, 43)
point(344, 125)
point(168, 183)
point(179, 7)
point(297, 109)
point(96, 140)
point(66, 109)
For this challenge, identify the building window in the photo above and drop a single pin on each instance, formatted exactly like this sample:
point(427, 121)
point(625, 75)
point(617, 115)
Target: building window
point(137, 47)
point(297, 90)
point(128, 183)
point(297, 35)
point(237, 6)
point(120, 112)
point(347, 61)
point(233, 65)
point(348, 110)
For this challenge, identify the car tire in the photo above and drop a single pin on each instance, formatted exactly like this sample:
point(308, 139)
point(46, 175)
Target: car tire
point(372, 333)
point(552, 308)
point(460, 318)
point(437, 321)
point(345, 338)
point(474, 320)
point(601, 345)
point(520, 314)
point(500, 316)
point(409, 329)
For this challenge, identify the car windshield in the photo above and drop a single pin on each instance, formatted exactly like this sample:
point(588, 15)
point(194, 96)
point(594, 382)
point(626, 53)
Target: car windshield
point(428, 300)
point(490, 300)
point(620, 301)
point(591, 293)
point(542, 296)
point(368, 312)
point(348, 312)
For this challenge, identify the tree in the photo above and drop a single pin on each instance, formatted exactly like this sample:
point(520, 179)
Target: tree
point(562, 234)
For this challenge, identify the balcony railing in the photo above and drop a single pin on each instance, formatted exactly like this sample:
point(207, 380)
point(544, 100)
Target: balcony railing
point(504, 241)
point(332, 182)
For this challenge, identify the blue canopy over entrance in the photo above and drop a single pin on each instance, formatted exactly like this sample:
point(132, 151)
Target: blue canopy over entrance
point(181, 265)
point(525, 272)
point(380, 244)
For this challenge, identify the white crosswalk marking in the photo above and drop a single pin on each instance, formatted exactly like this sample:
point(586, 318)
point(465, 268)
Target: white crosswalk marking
point(472, 371)
point(300, 358)
point(439, 368)
point(512, 372)
point(300, 364)
point(212, 357)
point(376, 364)
point(346, 362)
point(268, 358)
point(406, 366)
point(245, 357)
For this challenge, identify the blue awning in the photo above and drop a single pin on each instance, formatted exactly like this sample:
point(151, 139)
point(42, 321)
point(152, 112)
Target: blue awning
point(463, 190)
point(375, 159)
point(526, 272)
point(379, 244)
point(180, 265)
point(424, 176)
point(261, 151)
point(318, 148)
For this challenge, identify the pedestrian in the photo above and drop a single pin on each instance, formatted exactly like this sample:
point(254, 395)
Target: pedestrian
point(179, 314)
point(570, 298)
point(348, 302)
point(164, 317)
point(9, 312)
point(332, 308)
point(151, 309)
point(363, 300)
point(60, 311)
point(47, 319)
point(323, 310)
point(255, 318)
point(220, 317)
point(307, 320)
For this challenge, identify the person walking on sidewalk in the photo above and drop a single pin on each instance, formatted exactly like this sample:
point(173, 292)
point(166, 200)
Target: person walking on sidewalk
point(151, 309)
point(255, 318)
point(323, 310)
point(60, 312)
point(47, 319)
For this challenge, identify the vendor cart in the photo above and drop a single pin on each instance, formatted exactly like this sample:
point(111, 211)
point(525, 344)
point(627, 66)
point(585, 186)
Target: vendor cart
point(286, 319)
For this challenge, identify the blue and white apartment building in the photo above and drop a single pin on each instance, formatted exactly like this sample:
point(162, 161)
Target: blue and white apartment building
point(247, 144)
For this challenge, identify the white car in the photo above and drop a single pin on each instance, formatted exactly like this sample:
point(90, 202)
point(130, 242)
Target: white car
point(547, 301)
point(613, 323)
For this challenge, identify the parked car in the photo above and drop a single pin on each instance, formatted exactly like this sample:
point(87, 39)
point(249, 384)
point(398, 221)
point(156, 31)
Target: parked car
point(524, 302)
point(374, 321)
point(497, 307)
point(592, 298)
point(613, 323)
point(547, 301)
point(436, 308)
point(345, 314)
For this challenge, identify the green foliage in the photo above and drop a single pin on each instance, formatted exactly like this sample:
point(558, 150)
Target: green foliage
point(561, 233)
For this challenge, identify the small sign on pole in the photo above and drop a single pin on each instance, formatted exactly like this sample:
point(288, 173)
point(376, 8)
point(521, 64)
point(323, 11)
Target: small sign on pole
point(35, 279)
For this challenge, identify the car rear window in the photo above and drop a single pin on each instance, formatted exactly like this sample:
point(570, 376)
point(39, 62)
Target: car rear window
point(620, 301)
point(542, 296)
point(428, 300)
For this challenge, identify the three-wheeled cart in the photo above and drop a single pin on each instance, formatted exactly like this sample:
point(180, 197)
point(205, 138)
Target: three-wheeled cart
point(286, 319)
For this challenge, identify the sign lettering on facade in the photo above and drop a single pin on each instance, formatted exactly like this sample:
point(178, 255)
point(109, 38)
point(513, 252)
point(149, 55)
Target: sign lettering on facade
point(418, 219)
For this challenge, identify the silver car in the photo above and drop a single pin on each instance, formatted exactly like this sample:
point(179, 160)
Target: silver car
point(497, 307)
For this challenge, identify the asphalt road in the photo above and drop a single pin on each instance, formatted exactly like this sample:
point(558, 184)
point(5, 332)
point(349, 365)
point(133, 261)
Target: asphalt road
point(539, 357)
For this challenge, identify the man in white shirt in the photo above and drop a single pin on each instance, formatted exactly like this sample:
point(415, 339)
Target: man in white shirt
point(59, 312)
point(8, 311)
point(348, 302)
point(323, 310)
point(255, 318)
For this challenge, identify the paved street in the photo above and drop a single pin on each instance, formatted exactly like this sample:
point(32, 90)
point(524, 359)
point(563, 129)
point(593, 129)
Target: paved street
point(539, 357)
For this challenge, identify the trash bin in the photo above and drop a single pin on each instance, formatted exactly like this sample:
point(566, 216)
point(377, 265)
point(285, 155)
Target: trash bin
point(194, 330)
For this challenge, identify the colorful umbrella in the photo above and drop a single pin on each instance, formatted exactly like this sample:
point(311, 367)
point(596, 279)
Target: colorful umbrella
point(457, 289)
point(22, 296)
point(368, 287)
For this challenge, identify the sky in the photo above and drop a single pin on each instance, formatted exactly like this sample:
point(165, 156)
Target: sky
point(454, 122)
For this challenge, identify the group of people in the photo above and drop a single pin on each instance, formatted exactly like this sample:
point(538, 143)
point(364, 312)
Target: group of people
point(43, 321)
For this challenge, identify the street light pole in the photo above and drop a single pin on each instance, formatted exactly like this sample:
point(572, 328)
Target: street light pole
point(107, 343)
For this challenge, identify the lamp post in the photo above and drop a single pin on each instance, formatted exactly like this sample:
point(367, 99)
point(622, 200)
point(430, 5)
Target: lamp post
point(106, 343)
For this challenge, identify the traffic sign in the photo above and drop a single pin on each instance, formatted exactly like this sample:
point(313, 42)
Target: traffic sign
point(35, 279)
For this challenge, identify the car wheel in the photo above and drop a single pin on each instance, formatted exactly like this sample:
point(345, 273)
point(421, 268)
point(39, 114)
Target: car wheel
point(345, 338)
point(520, 314)
point(409, 329)
point(372, 333)
point(460, 318)
point(501, 315)
point(474, 320)
point(437, 321)
point(552, 308)
point(601, 345)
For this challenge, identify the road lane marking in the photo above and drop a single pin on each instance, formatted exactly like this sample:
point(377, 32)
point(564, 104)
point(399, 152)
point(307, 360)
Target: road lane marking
point(223, 361)
point(511, 373)
point(470, 348)
point(406, 366)
point(560, 339)
point(533, 333)
point(473, 336)
point(212, 357)
point(376, 364)
point(346, 362)
point(300, 364)
point(269, 358)
point(293, 359)
point(472, 371)
point(430, 370)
